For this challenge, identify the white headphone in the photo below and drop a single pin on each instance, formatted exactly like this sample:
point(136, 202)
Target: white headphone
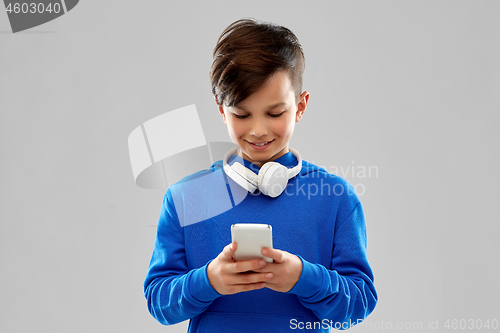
point(271, 180)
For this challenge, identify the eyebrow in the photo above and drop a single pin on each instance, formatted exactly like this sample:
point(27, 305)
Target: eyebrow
point(270, 107)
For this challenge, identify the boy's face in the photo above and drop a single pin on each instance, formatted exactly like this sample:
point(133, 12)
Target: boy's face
point(266, 117)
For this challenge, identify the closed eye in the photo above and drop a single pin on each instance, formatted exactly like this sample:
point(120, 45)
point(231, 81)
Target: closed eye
point(277, 114)
point(240, 117)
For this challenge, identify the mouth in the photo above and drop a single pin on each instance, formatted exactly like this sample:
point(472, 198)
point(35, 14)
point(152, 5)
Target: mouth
point(261, 144)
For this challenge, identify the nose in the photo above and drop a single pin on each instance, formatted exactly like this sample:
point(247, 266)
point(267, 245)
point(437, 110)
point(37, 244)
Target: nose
point(258, 128)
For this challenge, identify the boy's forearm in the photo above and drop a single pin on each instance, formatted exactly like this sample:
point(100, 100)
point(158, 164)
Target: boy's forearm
point(174, 299)
point(333, 296)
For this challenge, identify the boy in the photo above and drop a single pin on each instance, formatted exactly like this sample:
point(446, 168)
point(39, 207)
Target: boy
point(320, 277)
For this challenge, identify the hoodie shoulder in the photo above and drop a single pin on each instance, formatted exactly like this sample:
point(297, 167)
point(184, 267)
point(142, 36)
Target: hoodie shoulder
point(313, 171)
point(202, 173)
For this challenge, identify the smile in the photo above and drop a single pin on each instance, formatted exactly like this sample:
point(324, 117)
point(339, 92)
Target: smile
point(260, 145)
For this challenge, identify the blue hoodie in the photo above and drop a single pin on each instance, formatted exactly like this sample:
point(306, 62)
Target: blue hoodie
point(319, 218)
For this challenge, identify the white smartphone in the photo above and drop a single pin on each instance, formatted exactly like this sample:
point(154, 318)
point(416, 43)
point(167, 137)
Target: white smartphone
point(250, 239)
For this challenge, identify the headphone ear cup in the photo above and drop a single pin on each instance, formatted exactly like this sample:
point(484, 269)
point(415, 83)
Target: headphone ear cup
point(272, 179)
point(249, 175)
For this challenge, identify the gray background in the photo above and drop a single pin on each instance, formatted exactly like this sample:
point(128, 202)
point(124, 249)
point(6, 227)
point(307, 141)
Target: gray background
point(411, 87)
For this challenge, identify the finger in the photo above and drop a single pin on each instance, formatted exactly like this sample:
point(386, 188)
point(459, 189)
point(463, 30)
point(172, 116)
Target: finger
point(247, 287)
point(248, 265)
point(229, 250)
point(276, 255)
point(269, 267)
point(250, 278)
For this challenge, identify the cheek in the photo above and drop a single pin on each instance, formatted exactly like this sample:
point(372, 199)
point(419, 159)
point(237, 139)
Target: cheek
point(283, 128)
point(236, 129)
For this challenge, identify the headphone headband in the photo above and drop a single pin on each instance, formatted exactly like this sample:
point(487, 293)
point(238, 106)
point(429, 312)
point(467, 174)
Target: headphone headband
point(269, 180)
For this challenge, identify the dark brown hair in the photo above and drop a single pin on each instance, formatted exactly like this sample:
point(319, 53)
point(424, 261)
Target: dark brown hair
point(248, 53)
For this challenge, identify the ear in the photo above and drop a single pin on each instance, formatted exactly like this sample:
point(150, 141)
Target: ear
point(221, 111)
point(301, 107)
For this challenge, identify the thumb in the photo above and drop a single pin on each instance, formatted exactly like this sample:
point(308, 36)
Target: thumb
point(229, 250)
point(275, 254)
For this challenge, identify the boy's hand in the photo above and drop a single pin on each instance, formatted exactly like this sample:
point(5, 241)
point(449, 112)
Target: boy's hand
point(227, 276)
point(286, 269)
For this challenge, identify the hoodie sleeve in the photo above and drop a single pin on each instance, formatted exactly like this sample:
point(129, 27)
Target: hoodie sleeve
point(344, 294)
point(173, 292)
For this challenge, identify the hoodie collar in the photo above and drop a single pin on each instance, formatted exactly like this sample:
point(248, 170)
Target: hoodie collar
point(288, 160)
